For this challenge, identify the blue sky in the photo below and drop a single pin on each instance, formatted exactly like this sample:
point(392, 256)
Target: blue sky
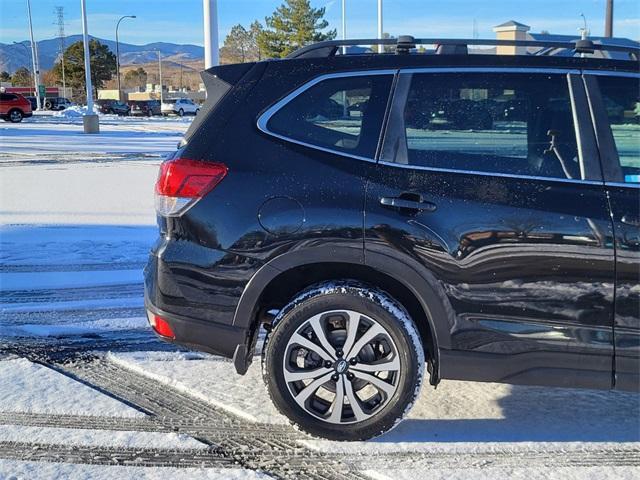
point(180, 21)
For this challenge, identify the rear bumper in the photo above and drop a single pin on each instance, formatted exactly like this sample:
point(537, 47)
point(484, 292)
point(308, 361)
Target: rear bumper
point(195, 334)
point(198, 302)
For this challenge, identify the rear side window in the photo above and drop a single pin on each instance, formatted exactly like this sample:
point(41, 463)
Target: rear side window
point(622, 101)
point(343, 114)
point(7, 97)
point(519, 124)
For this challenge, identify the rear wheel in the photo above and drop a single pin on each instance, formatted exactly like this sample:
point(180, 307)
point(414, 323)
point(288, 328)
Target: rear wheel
point(181, 112)
point(343, 362)
point(16, 116)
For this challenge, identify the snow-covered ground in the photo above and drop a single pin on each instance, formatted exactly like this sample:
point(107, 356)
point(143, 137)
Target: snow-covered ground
point(87, 392)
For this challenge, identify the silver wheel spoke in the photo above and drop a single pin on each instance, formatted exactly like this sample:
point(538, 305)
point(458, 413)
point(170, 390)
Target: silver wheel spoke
point(319, 331)
point(374, 331)
point(354, 402)
point(376, 382)
point(305, 374)
point(312, 358)
point(338, 402)
point(392, 365)
point(298, 339)
point(352, 330)
point(310, 389)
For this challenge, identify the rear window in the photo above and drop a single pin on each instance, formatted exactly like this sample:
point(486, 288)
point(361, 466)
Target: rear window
point(342, 114)
point(7, 97)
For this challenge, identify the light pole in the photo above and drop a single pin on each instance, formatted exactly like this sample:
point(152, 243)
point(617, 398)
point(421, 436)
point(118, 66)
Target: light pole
point(118, 54)
point(344, 25)
point(380, 46)
point(608, 22)
point(34, 59)
point(210, 14)
point(160, 77)
point(90, 120)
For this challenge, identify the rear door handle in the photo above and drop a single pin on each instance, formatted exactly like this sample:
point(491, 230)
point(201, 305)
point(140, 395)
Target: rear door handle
point(399, 202)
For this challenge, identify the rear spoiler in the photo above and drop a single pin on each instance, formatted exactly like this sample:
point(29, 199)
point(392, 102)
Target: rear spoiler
point(217, 82)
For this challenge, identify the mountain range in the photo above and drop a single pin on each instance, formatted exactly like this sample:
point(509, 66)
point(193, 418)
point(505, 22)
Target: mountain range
point(14, 56)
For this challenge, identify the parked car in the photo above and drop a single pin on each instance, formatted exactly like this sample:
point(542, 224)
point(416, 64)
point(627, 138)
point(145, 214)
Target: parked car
point(114, 107)
point(145, 108)
point(14, 107)
point(374, 250)
point(181, 107)
point(34, 102)
point(57, 103)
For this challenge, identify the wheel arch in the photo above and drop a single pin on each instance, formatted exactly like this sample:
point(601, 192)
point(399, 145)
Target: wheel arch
point(278, 281)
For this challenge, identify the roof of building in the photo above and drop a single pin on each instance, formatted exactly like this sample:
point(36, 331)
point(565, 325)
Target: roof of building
point(512, 23)
point(550, 37)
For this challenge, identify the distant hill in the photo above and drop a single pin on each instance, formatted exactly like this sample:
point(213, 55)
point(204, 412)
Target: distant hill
point(14, 56)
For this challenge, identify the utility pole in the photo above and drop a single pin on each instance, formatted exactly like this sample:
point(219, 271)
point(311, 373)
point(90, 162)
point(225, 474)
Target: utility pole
point(90, 120)
point(34, 58)
point(59, 11)
point(608, 22)
point(160, 75)
point(380, 46)
point(211, 53)
point(118, 54)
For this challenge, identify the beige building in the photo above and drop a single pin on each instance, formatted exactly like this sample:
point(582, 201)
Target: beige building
point(511, 30)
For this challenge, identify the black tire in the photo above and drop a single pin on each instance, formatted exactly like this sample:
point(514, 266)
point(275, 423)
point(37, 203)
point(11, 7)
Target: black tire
point(16, 116)
point(181, 113)
point(370, 304)
point(197, 111)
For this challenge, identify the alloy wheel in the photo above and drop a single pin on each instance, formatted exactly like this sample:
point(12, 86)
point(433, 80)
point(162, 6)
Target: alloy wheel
point(341, 366)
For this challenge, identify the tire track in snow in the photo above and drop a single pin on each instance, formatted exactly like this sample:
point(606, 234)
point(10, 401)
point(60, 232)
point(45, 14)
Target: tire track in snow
point(276, 449)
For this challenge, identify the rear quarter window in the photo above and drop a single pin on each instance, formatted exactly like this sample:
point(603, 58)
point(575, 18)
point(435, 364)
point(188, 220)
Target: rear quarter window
point(342, 114)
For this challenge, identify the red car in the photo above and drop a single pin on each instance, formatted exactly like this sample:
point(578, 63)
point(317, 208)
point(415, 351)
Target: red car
point(14, 107)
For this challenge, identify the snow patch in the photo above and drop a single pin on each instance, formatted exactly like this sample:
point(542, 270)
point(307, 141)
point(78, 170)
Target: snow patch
point(208, 378)
point(98, 438)
point(19, 470)
point(32, 388)
point(74, 329)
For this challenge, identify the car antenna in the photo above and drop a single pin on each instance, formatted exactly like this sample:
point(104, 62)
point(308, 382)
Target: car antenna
point(584, 45)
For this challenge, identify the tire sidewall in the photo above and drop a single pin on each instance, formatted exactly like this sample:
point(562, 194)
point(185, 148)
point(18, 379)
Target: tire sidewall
point(18, 119)
point(408, 383)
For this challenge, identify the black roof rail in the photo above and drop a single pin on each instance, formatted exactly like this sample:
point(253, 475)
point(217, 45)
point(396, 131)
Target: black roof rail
point(456, 45)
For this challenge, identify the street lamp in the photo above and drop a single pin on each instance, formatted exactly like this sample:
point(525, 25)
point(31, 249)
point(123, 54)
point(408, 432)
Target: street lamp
point(118, 54)
point(34, 59)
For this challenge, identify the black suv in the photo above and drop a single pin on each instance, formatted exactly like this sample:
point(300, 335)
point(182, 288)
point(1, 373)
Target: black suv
point(376, 214)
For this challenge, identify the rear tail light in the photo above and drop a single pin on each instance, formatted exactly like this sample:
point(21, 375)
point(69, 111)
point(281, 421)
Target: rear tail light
point(160, 325)
point(182, 182)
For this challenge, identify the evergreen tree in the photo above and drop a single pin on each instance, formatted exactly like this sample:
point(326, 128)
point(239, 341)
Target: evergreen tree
point(22, 78)
point(241, 45)
point(103, 64)
point(135, 78)
point(4, 76)
point(293, 25)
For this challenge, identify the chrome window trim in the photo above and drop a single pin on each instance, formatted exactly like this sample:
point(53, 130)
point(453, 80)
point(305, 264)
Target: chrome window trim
point(264, 118)
point(562, 71)
point(609, 73)
point(622, 184)
point(493, 174)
